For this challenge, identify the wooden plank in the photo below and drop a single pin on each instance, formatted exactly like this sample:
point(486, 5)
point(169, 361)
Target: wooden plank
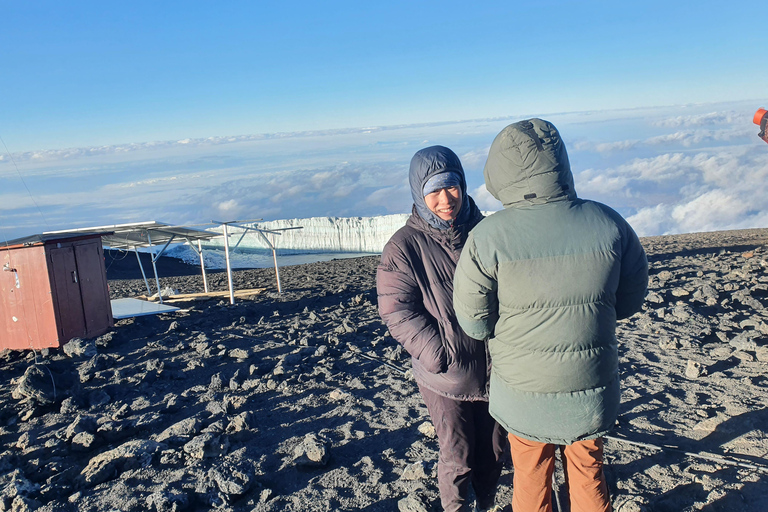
point(203, 296)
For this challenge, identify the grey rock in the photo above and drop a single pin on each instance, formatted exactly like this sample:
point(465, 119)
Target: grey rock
point(181, 431)
point(95, 364)
point(81, 423)
point(239, 353)
point(16, 485)
point(99, 398)
point(167, 501)
point(110, 464)
point(412, 503)
point(231, 480)
point(761, 354)
point(25, 440)
point(116, 430)
point(217, 407)
point(36, 385)
point(415, 471)
point(427, 429)
point(78, 347)
point(69, 406)
point(743, 341)
point(216, 382)
point(207, 445)
point(694, 370)
point(312, 451)
point(239, 425)
point(83, 442)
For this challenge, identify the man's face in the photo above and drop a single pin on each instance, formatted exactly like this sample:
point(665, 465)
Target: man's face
point(445, 203)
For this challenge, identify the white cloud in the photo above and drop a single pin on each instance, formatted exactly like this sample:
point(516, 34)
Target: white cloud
point(706, 119)
point(484, 200)
point(704, 170)
point(230, 206)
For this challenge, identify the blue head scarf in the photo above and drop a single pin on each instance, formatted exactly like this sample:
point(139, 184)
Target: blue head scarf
point(428, 165)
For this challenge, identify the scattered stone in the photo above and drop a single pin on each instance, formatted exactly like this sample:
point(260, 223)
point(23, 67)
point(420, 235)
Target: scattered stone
point(24, 441)
point(415, 471)
point(761, 353)
point(77, 347)
point(427, 429)
point(207, 445)
point(15, 486)
point(239, 353)
point(266, 495)
point(37, 385)
point(743, 342)
point(69, 406)
point(99, 398)
point(412, 503)
point(312, 451)
point(232, 480)
point(167, 501)
point(339, 394)
point(112, 463)
point(667, 343)
point(80, 424)
point(694, 370)
point(180, 432)
point(216, 382)
point(83, 442)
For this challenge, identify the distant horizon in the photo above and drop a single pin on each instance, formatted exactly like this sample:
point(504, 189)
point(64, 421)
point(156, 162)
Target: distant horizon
point(242, 137)
point(685, 168)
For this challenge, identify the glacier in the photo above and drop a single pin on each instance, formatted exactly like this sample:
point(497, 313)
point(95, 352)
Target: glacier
point(318, 239)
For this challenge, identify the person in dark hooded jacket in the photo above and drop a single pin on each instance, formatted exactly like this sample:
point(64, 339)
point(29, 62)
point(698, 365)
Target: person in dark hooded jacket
point(415, 288)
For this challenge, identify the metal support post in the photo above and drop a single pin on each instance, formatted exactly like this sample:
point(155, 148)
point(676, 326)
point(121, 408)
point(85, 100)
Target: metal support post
point(229, 266)
point(202, 265)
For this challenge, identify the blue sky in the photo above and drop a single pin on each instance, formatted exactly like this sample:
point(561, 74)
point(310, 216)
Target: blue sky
point(170, 111)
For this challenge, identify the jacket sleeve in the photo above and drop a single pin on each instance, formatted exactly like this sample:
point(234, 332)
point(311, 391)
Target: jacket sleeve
point(401, 306)
point(475, 298)
point(633, 279)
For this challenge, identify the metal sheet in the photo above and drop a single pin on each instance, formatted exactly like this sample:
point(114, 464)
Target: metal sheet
point(138, 234)
point(128, 308)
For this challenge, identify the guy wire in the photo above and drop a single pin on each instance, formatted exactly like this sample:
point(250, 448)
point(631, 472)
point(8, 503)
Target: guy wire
point(29, 192)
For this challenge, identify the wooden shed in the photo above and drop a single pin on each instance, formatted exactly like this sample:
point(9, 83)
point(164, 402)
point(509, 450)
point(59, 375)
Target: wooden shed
point(54, 288)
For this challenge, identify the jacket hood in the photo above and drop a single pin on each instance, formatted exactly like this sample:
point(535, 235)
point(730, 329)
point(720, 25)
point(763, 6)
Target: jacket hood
point(429, 162)
point(528, 164)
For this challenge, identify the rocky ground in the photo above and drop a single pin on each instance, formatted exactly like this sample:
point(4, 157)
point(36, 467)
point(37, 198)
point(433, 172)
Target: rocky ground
point(302, 401)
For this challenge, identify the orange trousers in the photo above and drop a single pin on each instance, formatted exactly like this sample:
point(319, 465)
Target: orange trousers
point(535, 464)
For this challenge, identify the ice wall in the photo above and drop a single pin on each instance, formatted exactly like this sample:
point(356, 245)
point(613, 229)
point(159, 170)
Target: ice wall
point(321, 234)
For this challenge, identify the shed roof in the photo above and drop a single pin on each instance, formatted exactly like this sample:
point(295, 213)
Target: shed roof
point(45, 238)
point(143, 234)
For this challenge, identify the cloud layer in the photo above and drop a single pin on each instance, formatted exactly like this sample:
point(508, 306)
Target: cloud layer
point(672, 170)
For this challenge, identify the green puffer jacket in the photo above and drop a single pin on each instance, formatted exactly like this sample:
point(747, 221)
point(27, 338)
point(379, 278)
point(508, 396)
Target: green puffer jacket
point(545, 280)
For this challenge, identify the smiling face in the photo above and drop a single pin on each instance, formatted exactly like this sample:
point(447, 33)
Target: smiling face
point(445, 202)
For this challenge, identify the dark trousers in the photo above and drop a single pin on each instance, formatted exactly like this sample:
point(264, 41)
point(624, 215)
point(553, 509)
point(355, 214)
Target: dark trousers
point(471, 448)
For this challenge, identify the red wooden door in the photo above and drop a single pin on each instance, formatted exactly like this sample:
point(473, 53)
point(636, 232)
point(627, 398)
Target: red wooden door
point(68, 297)
point(93, 287)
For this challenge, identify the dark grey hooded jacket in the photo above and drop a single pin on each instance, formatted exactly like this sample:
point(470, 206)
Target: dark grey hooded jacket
point(545, 280)
point(415, 288)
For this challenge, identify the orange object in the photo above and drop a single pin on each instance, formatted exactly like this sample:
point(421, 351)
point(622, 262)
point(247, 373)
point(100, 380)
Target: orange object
point(761, 119)
point(759, 115)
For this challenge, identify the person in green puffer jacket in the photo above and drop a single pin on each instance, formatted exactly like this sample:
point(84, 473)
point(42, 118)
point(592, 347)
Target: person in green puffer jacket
point(544, 281)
